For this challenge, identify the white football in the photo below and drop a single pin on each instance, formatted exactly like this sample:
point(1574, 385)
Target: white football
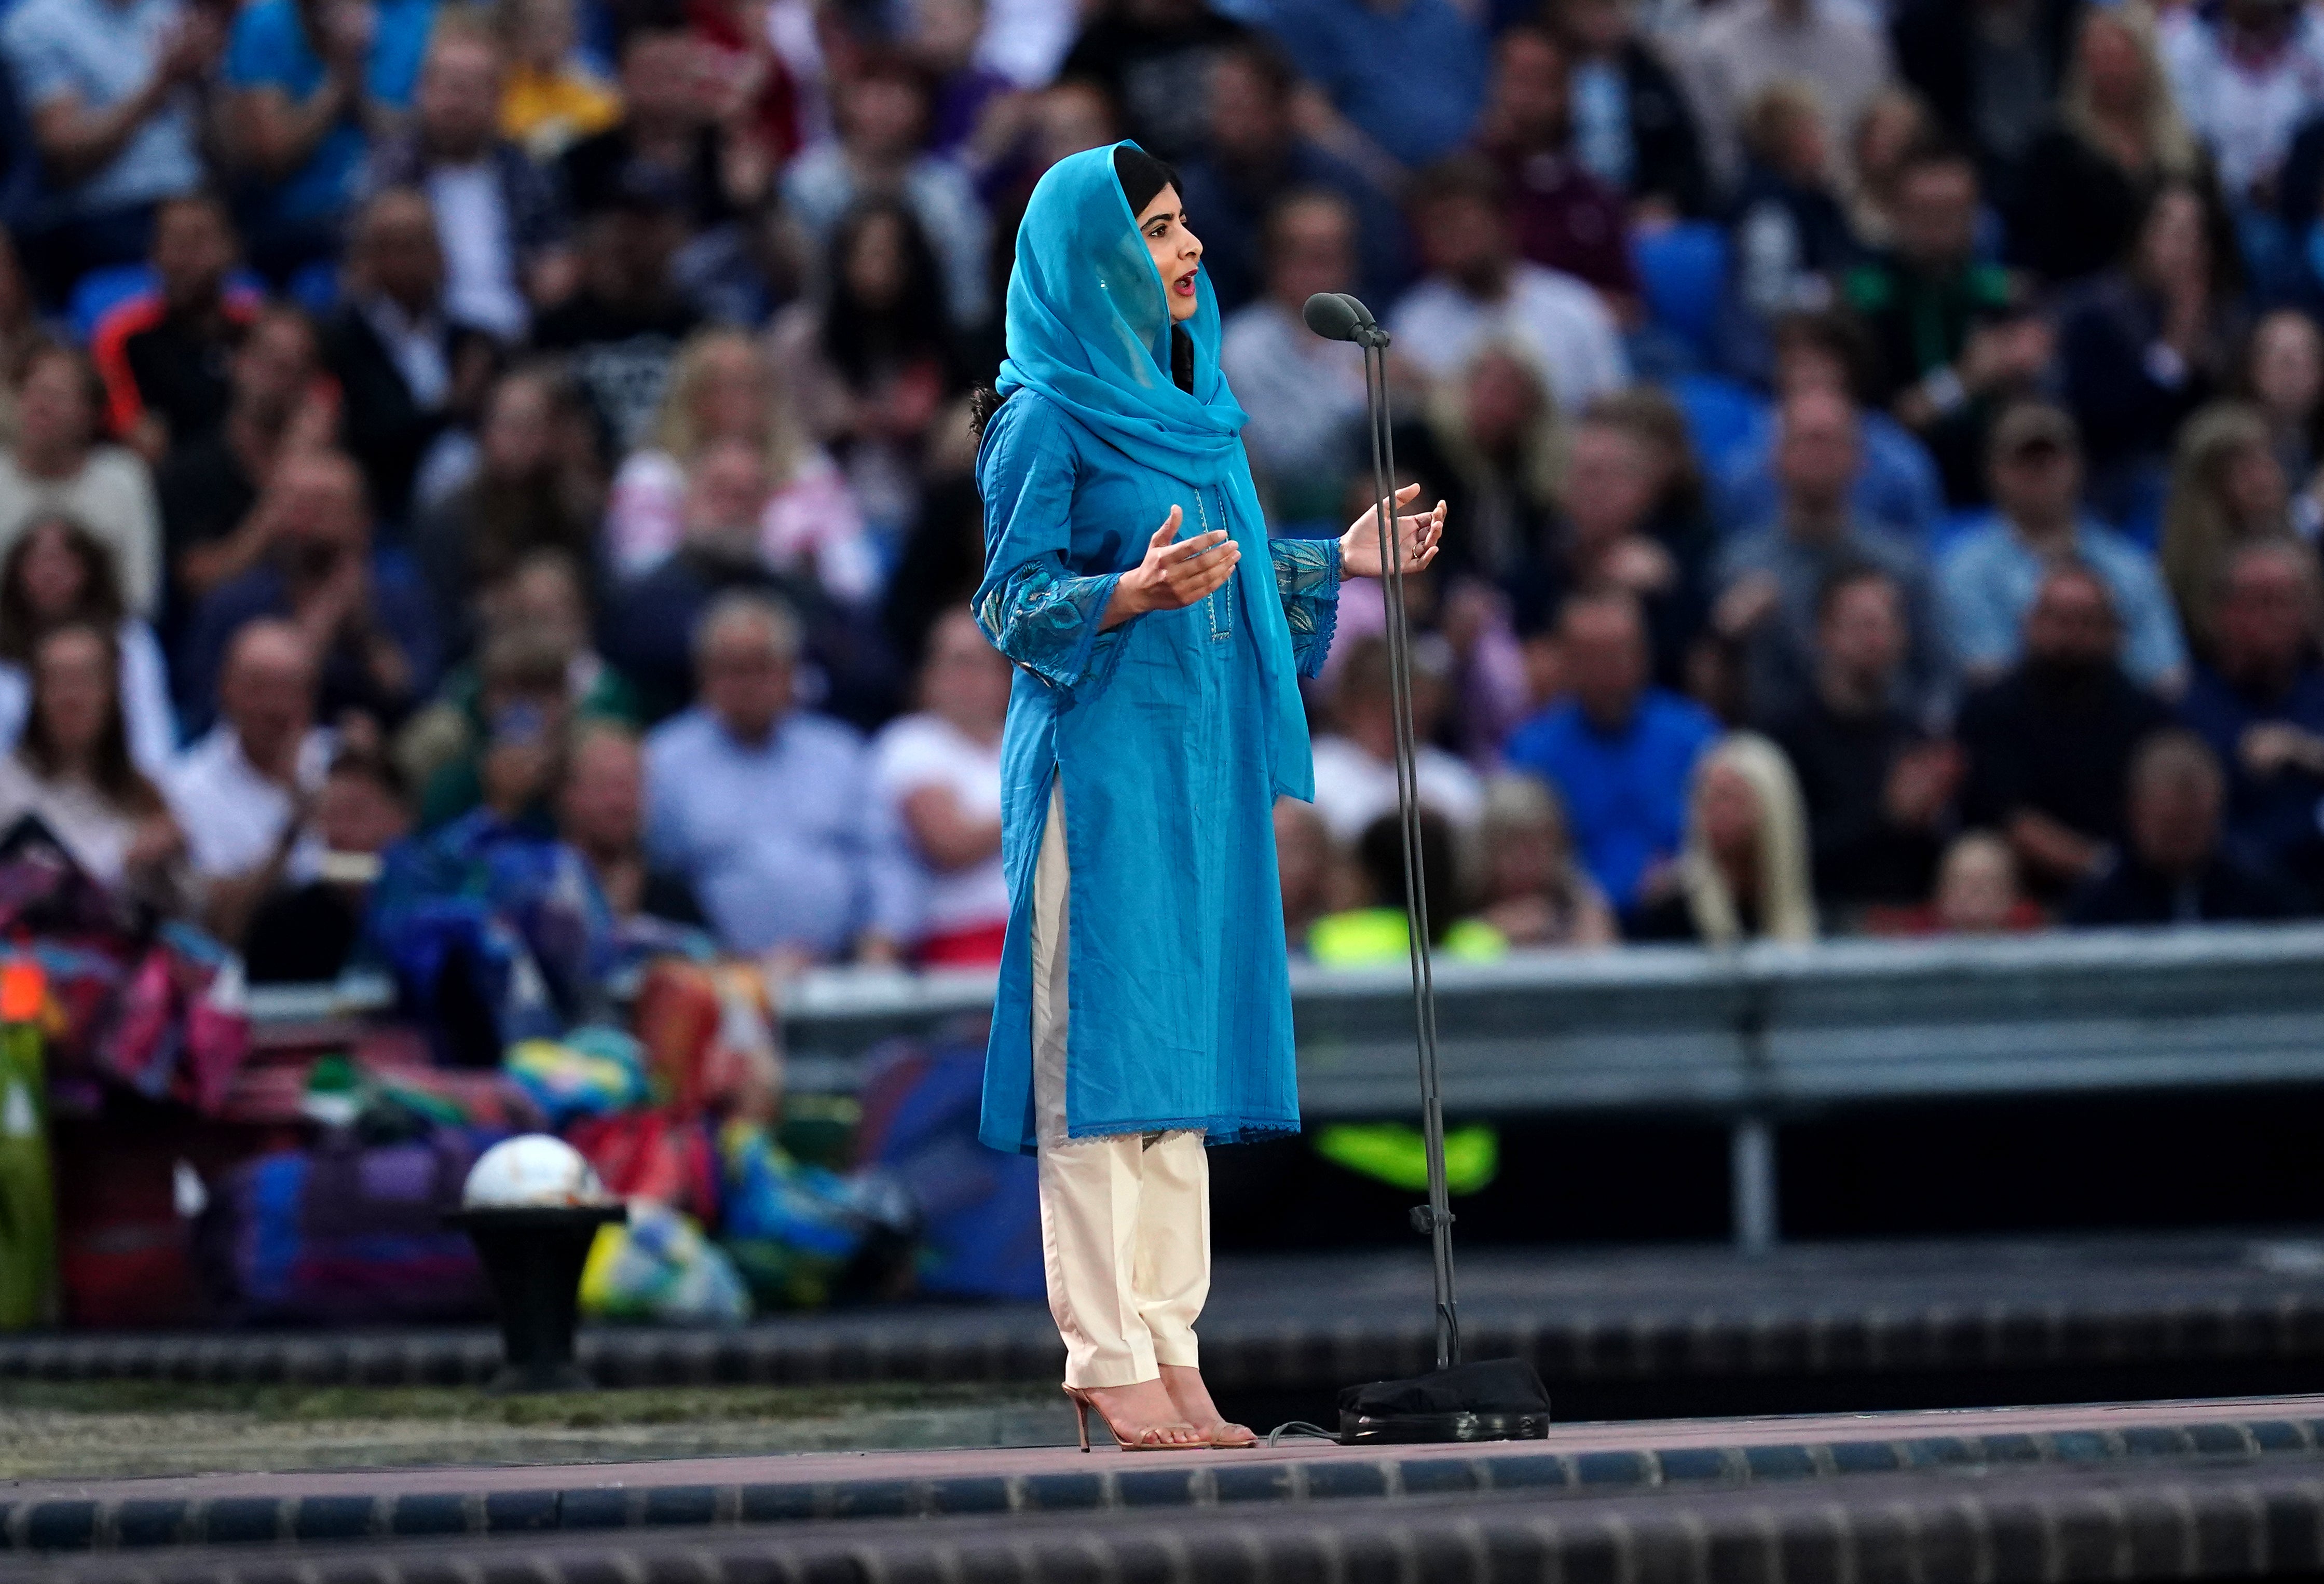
point(529, 1171)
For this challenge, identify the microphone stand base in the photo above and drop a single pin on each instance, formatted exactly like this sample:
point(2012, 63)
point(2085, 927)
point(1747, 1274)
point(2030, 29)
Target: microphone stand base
point(1493, 1399)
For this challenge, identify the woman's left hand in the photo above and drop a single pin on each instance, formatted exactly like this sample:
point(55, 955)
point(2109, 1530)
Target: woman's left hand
point(1418, 539)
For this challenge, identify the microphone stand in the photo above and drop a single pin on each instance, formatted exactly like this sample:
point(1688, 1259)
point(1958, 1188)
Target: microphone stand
point(1434, 1218)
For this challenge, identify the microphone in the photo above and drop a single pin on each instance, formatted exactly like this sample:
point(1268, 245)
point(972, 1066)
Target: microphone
point(1337, 317)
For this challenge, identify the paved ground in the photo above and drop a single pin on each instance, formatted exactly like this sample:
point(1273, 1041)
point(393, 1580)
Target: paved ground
point(2132, 1491)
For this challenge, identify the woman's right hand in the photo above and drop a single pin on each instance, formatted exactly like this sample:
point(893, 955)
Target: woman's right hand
point(1174, 575)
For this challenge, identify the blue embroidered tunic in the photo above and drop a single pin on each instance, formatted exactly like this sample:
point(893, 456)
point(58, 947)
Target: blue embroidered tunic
point(1177, 981)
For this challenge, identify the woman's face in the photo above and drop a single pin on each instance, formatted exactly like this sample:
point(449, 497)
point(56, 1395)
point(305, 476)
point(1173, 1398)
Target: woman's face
point(1501, 400)
point(52, 407)
point(1177, 252)
point(519, 429)
point(2254, 488)
point(730, 402)
point(73, 688)
point(875, 262)
point(964, 680)
point(1609, 484)
point(2288, 365)
point(55, 581)
point(1728, 807)
point(2112, 64)
point(1524, 860)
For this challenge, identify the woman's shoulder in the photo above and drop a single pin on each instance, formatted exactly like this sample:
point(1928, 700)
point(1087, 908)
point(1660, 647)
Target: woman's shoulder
point(1025, 426)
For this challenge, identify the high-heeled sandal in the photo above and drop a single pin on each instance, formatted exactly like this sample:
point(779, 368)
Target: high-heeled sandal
point(1231, 1434)
point(1083, 1403)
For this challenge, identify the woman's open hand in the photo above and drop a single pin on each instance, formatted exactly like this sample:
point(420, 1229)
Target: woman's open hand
point(1418, 538)
point(1174, 575)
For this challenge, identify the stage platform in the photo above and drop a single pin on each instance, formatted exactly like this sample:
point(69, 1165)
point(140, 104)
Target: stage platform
point(2137, 1490)
point(1662, 1332)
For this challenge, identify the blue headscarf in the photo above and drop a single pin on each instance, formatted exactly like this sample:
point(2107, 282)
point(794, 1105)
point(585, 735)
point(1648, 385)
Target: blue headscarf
point(1089, 327)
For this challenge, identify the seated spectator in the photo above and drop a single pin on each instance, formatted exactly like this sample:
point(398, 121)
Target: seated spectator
point(71, 770)
point(2259, 703)
point(1950, 334)
point(1896, 485)
point(58, 573)
point(2227, 489)
point(723, 392)
point(552, 95)
point(1408, 75)
point(939, 768)
point(1989, 70)
point(2142, 345)
point(1791, 235)
point(621, 328)
point(1618, 751)
point(241, 794)
point(883, 122)
point(1355, 762)
point(765, 76)
point(2178, 868)
point(501, 227)
point(1604, 533)
point(2049, 743)
point(2114, 137)
point(539, 485)
point(666, 137)
point(1977, 894)
point(1891, 130)
point(1489, 442)
point(1989, 577)
point(57, 467)
point(1535, 893)
point(1379, 932)
point(871, 369)
point(310, 82)
point(1254, 159)
point(1152, 58)
point(522, 700)
point(2245, 74)
point(1311, 868)
point(1478, 290)
point(112, 95)
point(1878, 788)
point(1634, 127)
point(1743, 873)
point(975, 109)
point(1737, 49)
point(1768, 580)
point(2282, 373)
point(727, 491)
point(362, 609)
point(208, 489)
point(828, 881)
point(540, 608)
point(601, 814)
point(164, 354)
point(304, 931)
point(407, 369)
point(1304, 394)
point(1563, 216)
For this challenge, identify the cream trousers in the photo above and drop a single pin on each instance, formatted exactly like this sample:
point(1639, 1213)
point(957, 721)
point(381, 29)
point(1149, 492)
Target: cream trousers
point(1125, 1220)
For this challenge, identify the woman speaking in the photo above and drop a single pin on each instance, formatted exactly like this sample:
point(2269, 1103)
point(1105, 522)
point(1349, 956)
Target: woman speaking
point(1145, 1006)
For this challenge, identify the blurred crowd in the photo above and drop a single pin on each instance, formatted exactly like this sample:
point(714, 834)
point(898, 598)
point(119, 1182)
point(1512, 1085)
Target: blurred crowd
point(1881, 438)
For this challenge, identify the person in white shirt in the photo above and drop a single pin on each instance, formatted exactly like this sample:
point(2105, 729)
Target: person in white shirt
point(241, 792)
point(59, 463)
point(1304, 394)
point(941, 770)
point(1479, 290)
point(2246, 75)
point(1355, 763)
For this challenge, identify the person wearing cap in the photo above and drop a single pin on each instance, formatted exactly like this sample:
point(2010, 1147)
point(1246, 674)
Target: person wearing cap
point(1988, 581)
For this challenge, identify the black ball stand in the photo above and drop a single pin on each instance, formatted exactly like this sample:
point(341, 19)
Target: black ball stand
point(533, 1255)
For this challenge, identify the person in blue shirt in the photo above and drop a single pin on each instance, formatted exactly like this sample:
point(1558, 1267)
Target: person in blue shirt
point(1617, 753)
point(111, 90)
point(313, 83)
point(1144, 1004)
point(1409, 75)
point(2259, 703)
point(1988, 578)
